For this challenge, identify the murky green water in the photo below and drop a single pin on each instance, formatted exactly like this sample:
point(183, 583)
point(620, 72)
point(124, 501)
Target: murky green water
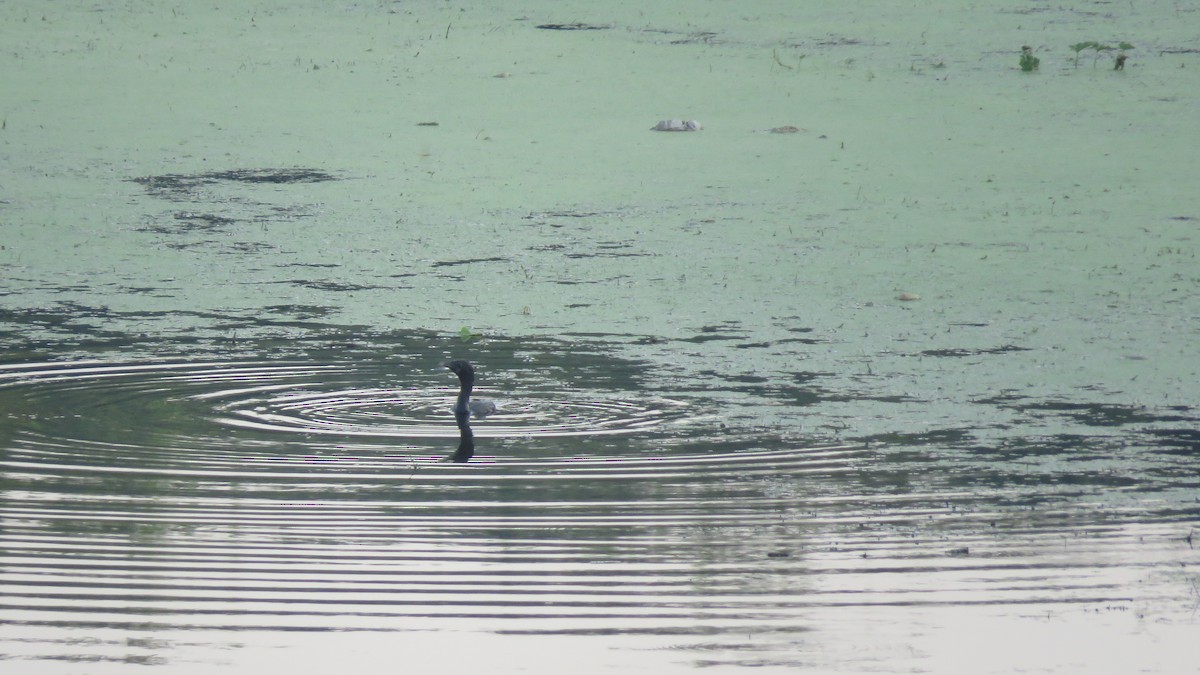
point(193, 512)
point(911, 389)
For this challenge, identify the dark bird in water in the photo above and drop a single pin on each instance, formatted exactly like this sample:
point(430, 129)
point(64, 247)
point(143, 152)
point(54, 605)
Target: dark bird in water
point(465, 405)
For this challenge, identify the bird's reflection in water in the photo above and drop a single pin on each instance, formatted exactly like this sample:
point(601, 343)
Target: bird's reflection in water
point(466, 439)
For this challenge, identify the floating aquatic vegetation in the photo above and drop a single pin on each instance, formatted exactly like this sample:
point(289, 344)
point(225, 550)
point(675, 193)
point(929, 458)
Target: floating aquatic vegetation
point(1100, 48)
point(1029, 62)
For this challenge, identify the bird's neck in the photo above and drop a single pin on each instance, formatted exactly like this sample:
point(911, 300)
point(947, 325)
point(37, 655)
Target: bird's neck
point(464, 395)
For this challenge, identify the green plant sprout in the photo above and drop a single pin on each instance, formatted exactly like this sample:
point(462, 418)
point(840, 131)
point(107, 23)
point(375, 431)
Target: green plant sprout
point(1099, 49)
point(468, 336)
point(779, 61)
point(1029, 62)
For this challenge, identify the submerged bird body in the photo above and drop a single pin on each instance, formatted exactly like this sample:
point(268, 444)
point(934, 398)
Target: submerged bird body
point(481, 407)
point(466, 382)
point(465, 406)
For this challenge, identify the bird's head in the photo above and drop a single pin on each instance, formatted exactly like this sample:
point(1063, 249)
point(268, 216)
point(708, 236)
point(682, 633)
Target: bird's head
point(461, 368)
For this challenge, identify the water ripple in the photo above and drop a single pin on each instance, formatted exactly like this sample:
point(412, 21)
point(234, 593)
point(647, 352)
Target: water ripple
point(182, 498)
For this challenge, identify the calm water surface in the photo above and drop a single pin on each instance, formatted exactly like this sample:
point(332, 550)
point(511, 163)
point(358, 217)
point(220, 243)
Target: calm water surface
point(217, 510)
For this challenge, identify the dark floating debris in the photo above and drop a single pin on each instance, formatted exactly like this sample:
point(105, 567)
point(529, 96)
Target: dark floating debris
point(563, 214)
point(573, 26)
point(468, 261)
point(954, 352)
point(183, 185)
point(271, 175)
point(703, 37)
point(331, 286)
point(194, 220)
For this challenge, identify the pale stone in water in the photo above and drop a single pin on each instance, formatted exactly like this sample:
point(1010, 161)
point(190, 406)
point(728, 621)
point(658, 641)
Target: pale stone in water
point(677, 125)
